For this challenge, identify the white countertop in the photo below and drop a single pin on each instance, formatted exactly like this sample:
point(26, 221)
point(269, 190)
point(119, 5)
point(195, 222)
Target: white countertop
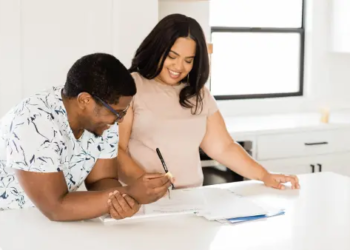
point(253, 125)
point(317, 217)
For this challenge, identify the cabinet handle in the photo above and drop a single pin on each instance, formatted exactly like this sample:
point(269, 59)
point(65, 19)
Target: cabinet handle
point(315, 143)
point(319, 167)
point(312, 168)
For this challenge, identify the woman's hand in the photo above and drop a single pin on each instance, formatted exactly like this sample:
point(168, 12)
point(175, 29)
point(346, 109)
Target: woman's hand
point(277, 180)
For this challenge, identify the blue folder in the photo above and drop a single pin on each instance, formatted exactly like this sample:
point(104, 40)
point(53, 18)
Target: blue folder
point(256, 217)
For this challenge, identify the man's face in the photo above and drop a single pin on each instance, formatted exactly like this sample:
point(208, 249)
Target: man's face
point(98, 116)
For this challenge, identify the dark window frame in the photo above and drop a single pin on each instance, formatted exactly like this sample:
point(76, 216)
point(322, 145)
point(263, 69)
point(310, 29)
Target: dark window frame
point(300, 31)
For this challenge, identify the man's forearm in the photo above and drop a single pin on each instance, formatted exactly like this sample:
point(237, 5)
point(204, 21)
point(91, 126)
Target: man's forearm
point(82, 205)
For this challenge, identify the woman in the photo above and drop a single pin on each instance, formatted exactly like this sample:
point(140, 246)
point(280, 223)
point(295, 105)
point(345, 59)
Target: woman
point(175, 112)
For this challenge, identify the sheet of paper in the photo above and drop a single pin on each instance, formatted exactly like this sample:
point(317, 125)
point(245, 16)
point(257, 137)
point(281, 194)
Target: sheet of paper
point(138, 217)
point(211, 203)
point(222, 204)
point(184, 201)
point(180, 201)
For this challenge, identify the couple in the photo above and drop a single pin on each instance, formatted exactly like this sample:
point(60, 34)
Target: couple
point(104, 125)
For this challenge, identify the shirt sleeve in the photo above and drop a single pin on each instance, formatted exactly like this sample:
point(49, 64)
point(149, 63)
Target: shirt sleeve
point(110, 139)
point(209, 102)
point(34, 144)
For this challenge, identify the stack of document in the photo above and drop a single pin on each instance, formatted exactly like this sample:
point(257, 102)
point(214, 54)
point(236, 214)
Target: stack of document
point(225, 206)
point(214, 204)
point(182, 201)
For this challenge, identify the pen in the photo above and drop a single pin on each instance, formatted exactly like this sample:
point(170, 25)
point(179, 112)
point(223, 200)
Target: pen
point(163, 163)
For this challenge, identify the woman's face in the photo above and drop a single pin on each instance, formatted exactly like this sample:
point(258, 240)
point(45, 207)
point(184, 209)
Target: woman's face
point(179, 61)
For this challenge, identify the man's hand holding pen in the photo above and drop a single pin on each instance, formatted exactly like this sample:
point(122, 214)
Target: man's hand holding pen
point(147, 189)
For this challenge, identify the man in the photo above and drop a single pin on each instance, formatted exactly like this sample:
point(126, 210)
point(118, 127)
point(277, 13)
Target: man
point(54, 141)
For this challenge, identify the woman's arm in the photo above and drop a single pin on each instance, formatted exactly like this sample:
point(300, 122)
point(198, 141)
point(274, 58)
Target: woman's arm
point(219, 145)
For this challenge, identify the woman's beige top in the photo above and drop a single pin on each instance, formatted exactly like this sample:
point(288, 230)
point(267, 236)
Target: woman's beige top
point(161, 122)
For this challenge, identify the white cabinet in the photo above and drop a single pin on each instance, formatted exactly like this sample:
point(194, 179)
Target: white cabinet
point(286, 168)
point(341, 26)
point(338, 163)
point(305, 152)
point(289, 166)
point(301, 144)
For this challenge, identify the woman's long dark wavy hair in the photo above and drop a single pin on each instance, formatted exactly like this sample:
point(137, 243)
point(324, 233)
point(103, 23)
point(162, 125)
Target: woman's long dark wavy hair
point(150, 56)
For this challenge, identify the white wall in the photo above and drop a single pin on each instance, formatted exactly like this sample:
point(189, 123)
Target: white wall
point(327, 74)
point(54, 34)
point(197, 10)
point(41, 39)
point(10, 57)
point(133, 20)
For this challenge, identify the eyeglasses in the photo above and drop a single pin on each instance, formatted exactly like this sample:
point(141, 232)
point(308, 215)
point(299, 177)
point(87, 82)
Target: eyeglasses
point(119, 115)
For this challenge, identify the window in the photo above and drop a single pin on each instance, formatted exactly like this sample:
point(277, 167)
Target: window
point(258, 48)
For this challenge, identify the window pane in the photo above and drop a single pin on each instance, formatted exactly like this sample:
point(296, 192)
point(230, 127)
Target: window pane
point(256, 13)
point(255, 63)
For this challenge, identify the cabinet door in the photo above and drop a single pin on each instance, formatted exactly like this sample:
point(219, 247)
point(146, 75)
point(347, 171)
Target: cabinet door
point(289, 166)
point(336, 163)
point(302, 144)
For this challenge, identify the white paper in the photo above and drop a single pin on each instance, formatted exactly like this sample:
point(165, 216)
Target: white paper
point(223, 204)
point(180, 201)
point(211, 203)
point(183, 201)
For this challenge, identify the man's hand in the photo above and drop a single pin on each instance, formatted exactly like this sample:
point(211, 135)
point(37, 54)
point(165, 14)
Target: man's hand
point(149, 188)
point(277, 180)
point(122, 206)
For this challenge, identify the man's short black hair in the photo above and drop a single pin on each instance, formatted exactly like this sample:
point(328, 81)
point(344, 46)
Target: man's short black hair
point(100, 75)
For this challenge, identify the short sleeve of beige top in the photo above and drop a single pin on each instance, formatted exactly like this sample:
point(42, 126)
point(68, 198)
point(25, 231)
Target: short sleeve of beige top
point(161, 122)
